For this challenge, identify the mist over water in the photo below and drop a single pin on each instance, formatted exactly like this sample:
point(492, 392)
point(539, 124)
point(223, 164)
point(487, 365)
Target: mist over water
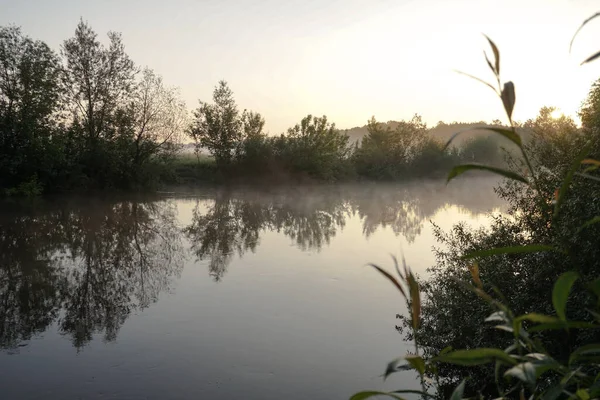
point(257, 293)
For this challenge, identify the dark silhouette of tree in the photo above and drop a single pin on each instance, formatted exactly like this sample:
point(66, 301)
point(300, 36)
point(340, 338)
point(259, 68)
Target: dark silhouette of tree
point(29, 105)
point(86, 267)
point(218, 126)
point(97, 79)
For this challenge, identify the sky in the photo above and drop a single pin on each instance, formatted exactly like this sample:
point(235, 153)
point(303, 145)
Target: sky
point(350, 59)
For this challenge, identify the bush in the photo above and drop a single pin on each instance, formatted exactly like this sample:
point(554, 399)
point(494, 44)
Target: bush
point(523, 268)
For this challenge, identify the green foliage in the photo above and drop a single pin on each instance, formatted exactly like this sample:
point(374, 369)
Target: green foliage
point(82, 119)
point(30, 188)
point(388, 154)
point(534, 277)
point(315, 147)
point(218, 127)
point(88, 118)
point(29, 95)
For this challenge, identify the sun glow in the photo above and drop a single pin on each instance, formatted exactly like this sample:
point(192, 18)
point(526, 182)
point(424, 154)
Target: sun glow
point(557, 113)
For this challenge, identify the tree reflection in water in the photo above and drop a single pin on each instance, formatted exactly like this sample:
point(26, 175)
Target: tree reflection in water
point(311, 216)
point(86, 266)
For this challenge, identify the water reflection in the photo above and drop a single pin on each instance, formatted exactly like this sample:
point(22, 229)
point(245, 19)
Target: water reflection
point(85, 265)
point(233, 222)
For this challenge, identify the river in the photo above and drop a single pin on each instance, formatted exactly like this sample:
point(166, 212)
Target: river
point(238, 293)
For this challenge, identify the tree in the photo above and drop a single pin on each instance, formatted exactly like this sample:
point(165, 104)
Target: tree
point(590, 117)
point(158, 118)
point(29, 106)
point(218, 126)
point(385, 153)
point(97, 79)
point(316, 147)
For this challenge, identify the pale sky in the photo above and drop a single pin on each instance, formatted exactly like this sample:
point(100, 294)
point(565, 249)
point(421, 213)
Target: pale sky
point(346, 59)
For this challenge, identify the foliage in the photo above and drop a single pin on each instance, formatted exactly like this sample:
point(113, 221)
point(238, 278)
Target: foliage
point(29, 94)
point(218, 126)
point(314, 146)
point(83, 118)
point(388, 153)
point(89, 118)
point(524, 268)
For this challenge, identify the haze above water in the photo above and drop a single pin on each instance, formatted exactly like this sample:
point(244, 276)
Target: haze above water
point(240, 293)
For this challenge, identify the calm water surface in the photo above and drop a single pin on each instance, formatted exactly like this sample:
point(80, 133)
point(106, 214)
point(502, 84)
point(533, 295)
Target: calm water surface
point(215, 294)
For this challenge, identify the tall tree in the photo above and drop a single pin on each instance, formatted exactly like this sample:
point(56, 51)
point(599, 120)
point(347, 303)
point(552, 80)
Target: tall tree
point(29, 103)
point(218, 126)
point(159, 117)
point(97, 78)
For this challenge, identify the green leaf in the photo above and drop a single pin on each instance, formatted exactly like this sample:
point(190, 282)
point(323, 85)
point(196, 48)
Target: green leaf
point(497, 316)
point(595, 164)
point(475, 357)
point(538, 318)
point(445, 350)
point(591, 58)
point(457, 394)
point(584, 351)
point(569, 177)
point(532, 248)
point(461, 169)
point(506, 328)
point(588, 176)
point(489, 63)
point(390, 278)
point(477, 79)
point(560, 293)
point(496, 54)
point(415, 299)
point(394, 367)
point(370, 393)
point(591, 161)
point(592, 221)
point(508, 98)
point(507, 133)
point(542, 363)
point(582, 394)
point(417, 363)
point(525, 372)
point(581, 27)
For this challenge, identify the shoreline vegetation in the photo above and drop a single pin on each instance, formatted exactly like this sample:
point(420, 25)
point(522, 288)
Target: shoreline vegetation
point(87, 118)
point(511, 310)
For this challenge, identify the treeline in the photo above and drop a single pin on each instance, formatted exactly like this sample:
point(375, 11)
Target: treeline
point(86, 117)
point(316, 149)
